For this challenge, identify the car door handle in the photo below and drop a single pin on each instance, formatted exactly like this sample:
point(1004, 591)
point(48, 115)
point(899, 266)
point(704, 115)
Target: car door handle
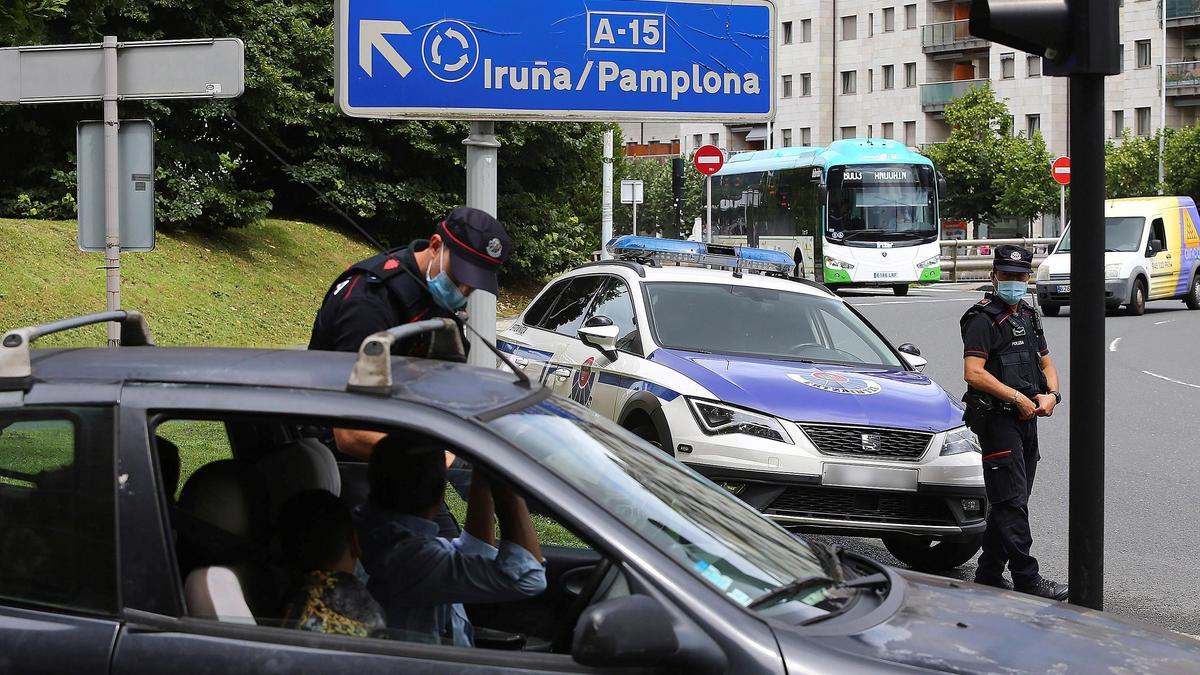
point(521, 362)
point(562, 373)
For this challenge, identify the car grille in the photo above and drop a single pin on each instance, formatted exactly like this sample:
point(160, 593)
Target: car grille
point(854, 505)
point(868, 441)
point(1060, 277)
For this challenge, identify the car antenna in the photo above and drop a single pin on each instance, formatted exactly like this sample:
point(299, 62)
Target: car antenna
point(522, 378)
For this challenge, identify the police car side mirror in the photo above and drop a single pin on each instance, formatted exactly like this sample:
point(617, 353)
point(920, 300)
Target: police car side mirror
point(600, 332)
point(912, 355)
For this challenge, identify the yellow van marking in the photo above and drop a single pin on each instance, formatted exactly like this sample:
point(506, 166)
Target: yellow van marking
point(1190, 237)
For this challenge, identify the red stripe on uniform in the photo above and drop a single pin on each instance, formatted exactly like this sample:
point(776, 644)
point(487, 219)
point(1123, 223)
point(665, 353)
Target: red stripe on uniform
point(351, 289)
point(460, 242)
point(998, 454)
point(419, 316)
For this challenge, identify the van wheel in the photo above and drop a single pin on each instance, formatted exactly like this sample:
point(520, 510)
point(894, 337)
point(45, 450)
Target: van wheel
point(1137, 299)
point(1050, 310)
point(1192, 299)
point(932, 555)
point(900, 289)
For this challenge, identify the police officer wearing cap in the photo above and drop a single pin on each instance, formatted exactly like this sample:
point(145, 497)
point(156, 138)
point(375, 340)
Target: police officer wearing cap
point(1011, 381)
point(426, 279)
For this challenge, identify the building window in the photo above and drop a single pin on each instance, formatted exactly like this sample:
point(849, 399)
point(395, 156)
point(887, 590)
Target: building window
point(787, 32)
point(887, 130)
point(1143, 53)
point(889, 19)
point(805, 136)
point(870, 80)
point(910, 17)
point(1143, 121)
point(785, 138)
point(806, 84)
point(849, 81)
point(806, 30)
point(1033, 125)
point(1121, 58)
point(1012, 126)
point(714, 139)
point(910, 75)
point(1118, 123)
point(850, 27)
point(786, 86)
point(849, 132)
point(1007, 66)
point(697, 140)
point(870, 24)
point(1033, 66)
point(910, 133)
point(889, 77)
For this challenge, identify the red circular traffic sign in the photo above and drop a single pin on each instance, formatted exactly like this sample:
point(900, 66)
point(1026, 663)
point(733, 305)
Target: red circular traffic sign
point(1061, 170)
point(708, 159)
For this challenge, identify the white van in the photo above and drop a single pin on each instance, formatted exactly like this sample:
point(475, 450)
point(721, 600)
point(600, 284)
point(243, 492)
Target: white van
point(1152, 251)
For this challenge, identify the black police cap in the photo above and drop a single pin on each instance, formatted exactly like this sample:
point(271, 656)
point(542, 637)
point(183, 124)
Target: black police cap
point(478, 245)
point(1010, 258)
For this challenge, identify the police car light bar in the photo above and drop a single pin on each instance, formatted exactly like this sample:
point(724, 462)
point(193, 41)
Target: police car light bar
point(630, 247)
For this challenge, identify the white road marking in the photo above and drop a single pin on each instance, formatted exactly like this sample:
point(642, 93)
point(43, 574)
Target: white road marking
point(1112, 347)
point(1159, 323)
point(906, 302)
point(1174, 381)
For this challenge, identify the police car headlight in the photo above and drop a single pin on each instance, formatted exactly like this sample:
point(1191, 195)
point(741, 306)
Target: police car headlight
point(960, 440)
point(1112, 271)
point(717, 418)
point(932, 262)
point(1043, 273)
point(838, 264)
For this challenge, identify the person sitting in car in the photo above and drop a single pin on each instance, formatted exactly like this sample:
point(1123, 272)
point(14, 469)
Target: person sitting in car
point(316, 533)
point(422, 579)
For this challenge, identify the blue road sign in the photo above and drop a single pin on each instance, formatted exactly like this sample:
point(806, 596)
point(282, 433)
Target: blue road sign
point(556, 59)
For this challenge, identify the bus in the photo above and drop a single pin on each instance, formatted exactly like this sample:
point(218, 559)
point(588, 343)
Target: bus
point(859, 212)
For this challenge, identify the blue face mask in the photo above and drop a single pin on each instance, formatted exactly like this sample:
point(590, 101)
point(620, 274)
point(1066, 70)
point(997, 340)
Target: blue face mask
point(1011, 292)
point(444, 291)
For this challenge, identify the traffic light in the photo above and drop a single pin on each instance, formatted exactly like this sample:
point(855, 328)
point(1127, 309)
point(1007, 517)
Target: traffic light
point(1075, 37)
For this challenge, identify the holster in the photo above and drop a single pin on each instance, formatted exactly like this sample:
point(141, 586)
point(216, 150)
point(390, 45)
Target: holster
point(980, 408)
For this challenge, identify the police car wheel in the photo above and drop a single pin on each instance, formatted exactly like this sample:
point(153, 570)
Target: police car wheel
point(1192, 299)
point(1050, 310)
point(647, 433)
point(1137, 299)
point(932, 555)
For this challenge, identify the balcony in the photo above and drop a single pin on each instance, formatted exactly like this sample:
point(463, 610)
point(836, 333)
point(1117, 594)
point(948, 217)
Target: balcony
point(951, 38)
point(1182, 13)
point(935, 95)
point(1183, 79)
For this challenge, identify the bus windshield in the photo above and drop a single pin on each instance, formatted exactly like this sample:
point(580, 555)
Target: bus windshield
point(1121, 233)
point(881, 202)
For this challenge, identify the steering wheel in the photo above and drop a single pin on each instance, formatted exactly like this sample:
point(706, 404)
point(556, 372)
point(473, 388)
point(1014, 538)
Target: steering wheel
point(797, 347)
point(587, 592)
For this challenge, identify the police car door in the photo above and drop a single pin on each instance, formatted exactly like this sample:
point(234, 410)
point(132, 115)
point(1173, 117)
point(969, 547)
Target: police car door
point(569, 372)
point(598, 377)
point(528, 345)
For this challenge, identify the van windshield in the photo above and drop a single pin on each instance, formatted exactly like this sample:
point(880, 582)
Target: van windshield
point(1121, 233)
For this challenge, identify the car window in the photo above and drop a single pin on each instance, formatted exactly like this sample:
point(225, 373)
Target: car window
point(567, 314)
point(57, 510)
point(750, 321)
point(615, 303)
point(1157, 232)
point(198, 442)
point(537, 311)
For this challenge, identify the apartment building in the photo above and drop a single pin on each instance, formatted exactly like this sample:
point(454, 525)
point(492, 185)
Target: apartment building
point(887, 69)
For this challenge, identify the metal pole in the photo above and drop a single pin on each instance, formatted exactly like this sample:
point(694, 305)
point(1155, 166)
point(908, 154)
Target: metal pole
point(1162, 90)
point(1086, 537)
point(606, 201)
point(482, 156)
point(708, 225)
point(112, 206)
point(635, 218)
point(1062, 208)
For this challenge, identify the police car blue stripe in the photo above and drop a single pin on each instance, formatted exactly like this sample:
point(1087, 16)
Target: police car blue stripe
point(517, 350)
point(638, 385)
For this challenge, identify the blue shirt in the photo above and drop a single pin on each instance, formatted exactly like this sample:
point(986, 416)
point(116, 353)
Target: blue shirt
point(422, 579)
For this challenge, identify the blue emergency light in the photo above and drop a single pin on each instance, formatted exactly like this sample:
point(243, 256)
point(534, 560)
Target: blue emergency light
point(630, 247)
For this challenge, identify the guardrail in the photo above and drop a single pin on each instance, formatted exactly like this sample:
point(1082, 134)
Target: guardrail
point(964, 254)
point(950, 35)
point(1183, 74)
point(938, 94)
point(1182, 9)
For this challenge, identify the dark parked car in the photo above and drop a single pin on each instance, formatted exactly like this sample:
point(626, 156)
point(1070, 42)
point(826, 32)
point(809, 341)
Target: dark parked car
point(102, 569)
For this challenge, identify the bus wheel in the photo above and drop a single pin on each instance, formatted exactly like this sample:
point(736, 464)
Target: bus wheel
point(900, 289)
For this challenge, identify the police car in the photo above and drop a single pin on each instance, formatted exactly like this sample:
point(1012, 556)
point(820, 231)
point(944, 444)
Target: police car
point(771, 386)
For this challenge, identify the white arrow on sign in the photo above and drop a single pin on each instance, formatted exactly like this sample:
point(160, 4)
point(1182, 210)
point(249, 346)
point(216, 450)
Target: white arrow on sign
point(371, 34)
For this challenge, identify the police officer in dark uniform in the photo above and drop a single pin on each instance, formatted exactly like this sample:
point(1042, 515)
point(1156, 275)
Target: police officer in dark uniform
point(1011, 381)
point(426, 279)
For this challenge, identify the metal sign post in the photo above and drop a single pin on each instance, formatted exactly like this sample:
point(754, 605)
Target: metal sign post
point(110, 71)
point(1060, 170)
point(708, 160)
point(483, 152)
point(631, 193)
point(606, 206)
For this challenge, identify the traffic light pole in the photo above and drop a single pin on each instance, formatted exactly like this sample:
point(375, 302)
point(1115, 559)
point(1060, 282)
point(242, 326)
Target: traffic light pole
point(1086, 502)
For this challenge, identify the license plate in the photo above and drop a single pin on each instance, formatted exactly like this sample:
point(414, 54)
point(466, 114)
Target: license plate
point(886, 275)
point(876, 477)
point(1062, 288)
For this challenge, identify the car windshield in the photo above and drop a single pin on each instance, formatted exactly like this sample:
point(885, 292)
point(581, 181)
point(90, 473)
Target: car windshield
point(1121, 233)
point(886, 202)
point(737, 320)
point(700, 525)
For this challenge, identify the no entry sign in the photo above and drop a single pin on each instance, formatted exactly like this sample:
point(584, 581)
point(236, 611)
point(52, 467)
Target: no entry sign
point(708, 159)
point(1061, 170)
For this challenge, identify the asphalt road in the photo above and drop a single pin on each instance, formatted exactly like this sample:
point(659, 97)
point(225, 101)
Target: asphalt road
point(1152, 450)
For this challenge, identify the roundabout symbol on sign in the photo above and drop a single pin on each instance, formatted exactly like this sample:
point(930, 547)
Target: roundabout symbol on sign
point(450, 50)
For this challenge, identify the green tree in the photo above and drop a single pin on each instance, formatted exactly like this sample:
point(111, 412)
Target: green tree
point(21, 20)
point(971, 157)
point(1131, 167)
point(1027, 189)
point(1181, 162)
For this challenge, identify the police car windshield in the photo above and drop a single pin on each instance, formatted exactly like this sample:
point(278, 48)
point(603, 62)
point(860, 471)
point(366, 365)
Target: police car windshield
point(701, 526)
point(736, 320)
point(1121, 233)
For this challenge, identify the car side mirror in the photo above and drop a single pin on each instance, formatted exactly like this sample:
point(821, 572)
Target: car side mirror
point(822, 193)
point(941, 185)
point(638, 631)
point(600, 332)
point(913, 356)
point(1156, 247)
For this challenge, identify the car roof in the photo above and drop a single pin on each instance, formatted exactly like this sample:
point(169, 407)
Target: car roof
point(462, 389)
point(693, 274)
